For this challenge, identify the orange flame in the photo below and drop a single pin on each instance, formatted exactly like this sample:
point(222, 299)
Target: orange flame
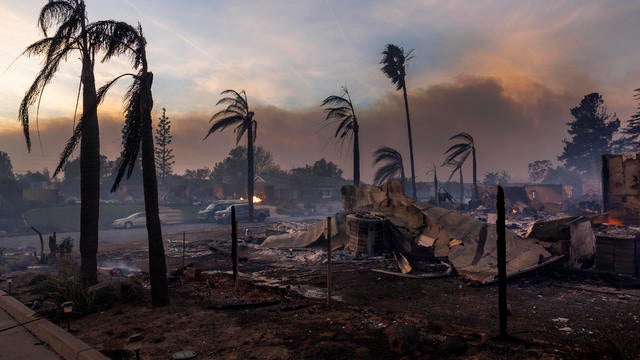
point(613, 221)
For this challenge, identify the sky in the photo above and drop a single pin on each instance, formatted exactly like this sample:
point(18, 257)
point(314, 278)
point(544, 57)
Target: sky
point(507, 72)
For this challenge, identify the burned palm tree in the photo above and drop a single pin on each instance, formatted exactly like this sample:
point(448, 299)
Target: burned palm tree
point(394, 60)
point(391, 165)
point(72, 37)
point(121, 38)
point(458, 153)
point(339, 109)
point(237, 113)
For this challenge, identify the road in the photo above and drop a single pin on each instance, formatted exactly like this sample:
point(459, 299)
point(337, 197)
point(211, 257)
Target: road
point(115, 236)
point(106, 236)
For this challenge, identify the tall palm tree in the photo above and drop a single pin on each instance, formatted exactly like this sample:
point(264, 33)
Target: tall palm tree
point(238, 114)
point(339, 109)
point(122, 38)
point(457, 154)
point(71, 36)
point(394, 60)
point(391, 165)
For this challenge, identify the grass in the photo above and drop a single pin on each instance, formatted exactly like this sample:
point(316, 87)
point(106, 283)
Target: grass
point(67, 217)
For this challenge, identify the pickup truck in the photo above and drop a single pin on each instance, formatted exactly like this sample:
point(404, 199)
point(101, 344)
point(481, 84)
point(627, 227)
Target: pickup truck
point(208, 213)
point(242, 214)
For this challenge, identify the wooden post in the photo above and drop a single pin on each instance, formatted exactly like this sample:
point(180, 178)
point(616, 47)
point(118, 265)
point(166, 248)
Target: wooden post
point(234, 245)
point(502, 263)
point(329, 261)
point(183, 247)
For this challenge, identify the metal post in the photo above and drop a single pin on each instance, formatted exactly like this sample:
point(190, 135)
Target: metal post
point(502, 263)
point(329, 261)
point(234, 245)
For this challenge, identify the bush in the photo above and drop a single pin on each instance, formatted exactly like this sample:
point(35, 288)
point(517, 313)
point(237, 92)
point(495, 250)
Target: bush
point(66, 285)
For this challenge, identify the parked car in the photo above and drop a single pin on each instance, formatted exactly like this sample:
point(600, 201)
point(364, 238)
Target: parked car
point(242, 214)
point(207, 214)
point(167, 216)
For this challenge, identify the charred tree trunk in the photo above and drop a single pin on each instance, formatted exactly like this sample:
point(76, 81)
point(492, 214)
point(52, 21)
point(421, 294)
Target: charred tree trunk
point(157, 261)
point(250, 169)
point(502, 263)
point(476, 196)
point(413, 173)
point(89, 175)
point(356, 155)
point(461, 187)
point(435, 186)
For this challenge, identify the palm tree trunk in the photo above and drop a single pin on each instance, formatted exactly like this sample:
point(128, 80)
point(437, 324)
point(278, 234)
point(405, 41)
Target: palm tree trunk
point(356, 156)
point(250, 169)
point(435, 186)
point(475, 176)
point(157, 262)
point(89, 176)
point(461, 187)
point(403, 180)
point(413, 172)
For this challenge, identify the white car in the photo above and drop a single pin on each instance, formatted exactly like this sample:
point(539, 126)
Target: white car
point(167, 216)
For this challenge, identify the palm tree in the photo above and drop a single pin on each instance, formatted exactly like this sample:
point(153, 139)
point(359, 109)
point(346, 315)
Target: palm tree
point(238, 114)
point(122, 38)
point(457, 154)
point(339, 109)
point(393, 63)
point(391, 165)
point(71, 35)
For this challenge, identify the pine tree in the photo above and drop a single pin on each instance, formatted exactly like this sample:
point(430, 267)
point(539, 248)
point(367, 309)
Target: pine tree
point(164, 154)
point(592, 131)
point(631, 140)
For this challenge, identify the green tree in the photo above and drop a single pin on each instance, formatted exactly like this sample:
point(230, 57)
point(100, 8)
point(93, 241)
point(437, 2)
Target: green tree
point(458, 153)
point(539, 169)
point(591, 133)
point(394, 60)
point(339, 109)
point(631, 140)
point(231, 172)
point(500, 177)
point(390, 165)
point(123, 38)
point(164, 153)
point(6, 168)
point(71, 36)
point(320, 168)
point(237, 113)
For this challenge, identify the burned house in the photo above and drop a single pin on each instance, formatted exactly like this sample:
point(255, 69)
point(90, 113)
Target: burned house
point(621, 188)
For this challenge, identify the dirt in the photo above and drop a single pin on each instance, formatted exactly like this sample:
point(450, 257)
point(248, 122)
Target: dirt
point(278, 311)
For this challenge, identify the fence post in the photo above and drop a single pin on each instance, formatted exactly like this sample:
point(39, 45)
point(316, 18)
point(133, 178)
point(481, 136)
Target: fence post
point(329, 261)
point(502, 263)
point(234, 245)
point(183, 247)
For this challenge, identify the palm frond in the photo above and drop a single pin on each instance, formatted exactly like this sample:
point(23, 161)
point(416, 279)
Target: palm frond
point(117, 38)
point(71, 145)
point(393, 64)
point(463, 136)
point(335, 100)
point(385, 173)
point(240, 130)
point(55, 12)
point(102, 91)
point(223, 123)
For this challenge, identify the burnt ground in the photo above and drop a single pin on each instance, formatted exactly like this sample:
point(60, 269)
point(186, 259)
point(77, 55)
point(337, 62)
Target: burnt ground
point(278, 311)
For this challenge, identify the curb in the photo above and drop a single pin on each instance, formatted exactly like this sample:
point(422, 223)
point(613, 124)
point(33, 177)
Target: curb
point(64, 344)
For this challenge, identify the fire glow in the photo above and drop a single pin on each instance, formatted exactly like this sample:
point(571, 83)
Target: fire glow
point(256, 200)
